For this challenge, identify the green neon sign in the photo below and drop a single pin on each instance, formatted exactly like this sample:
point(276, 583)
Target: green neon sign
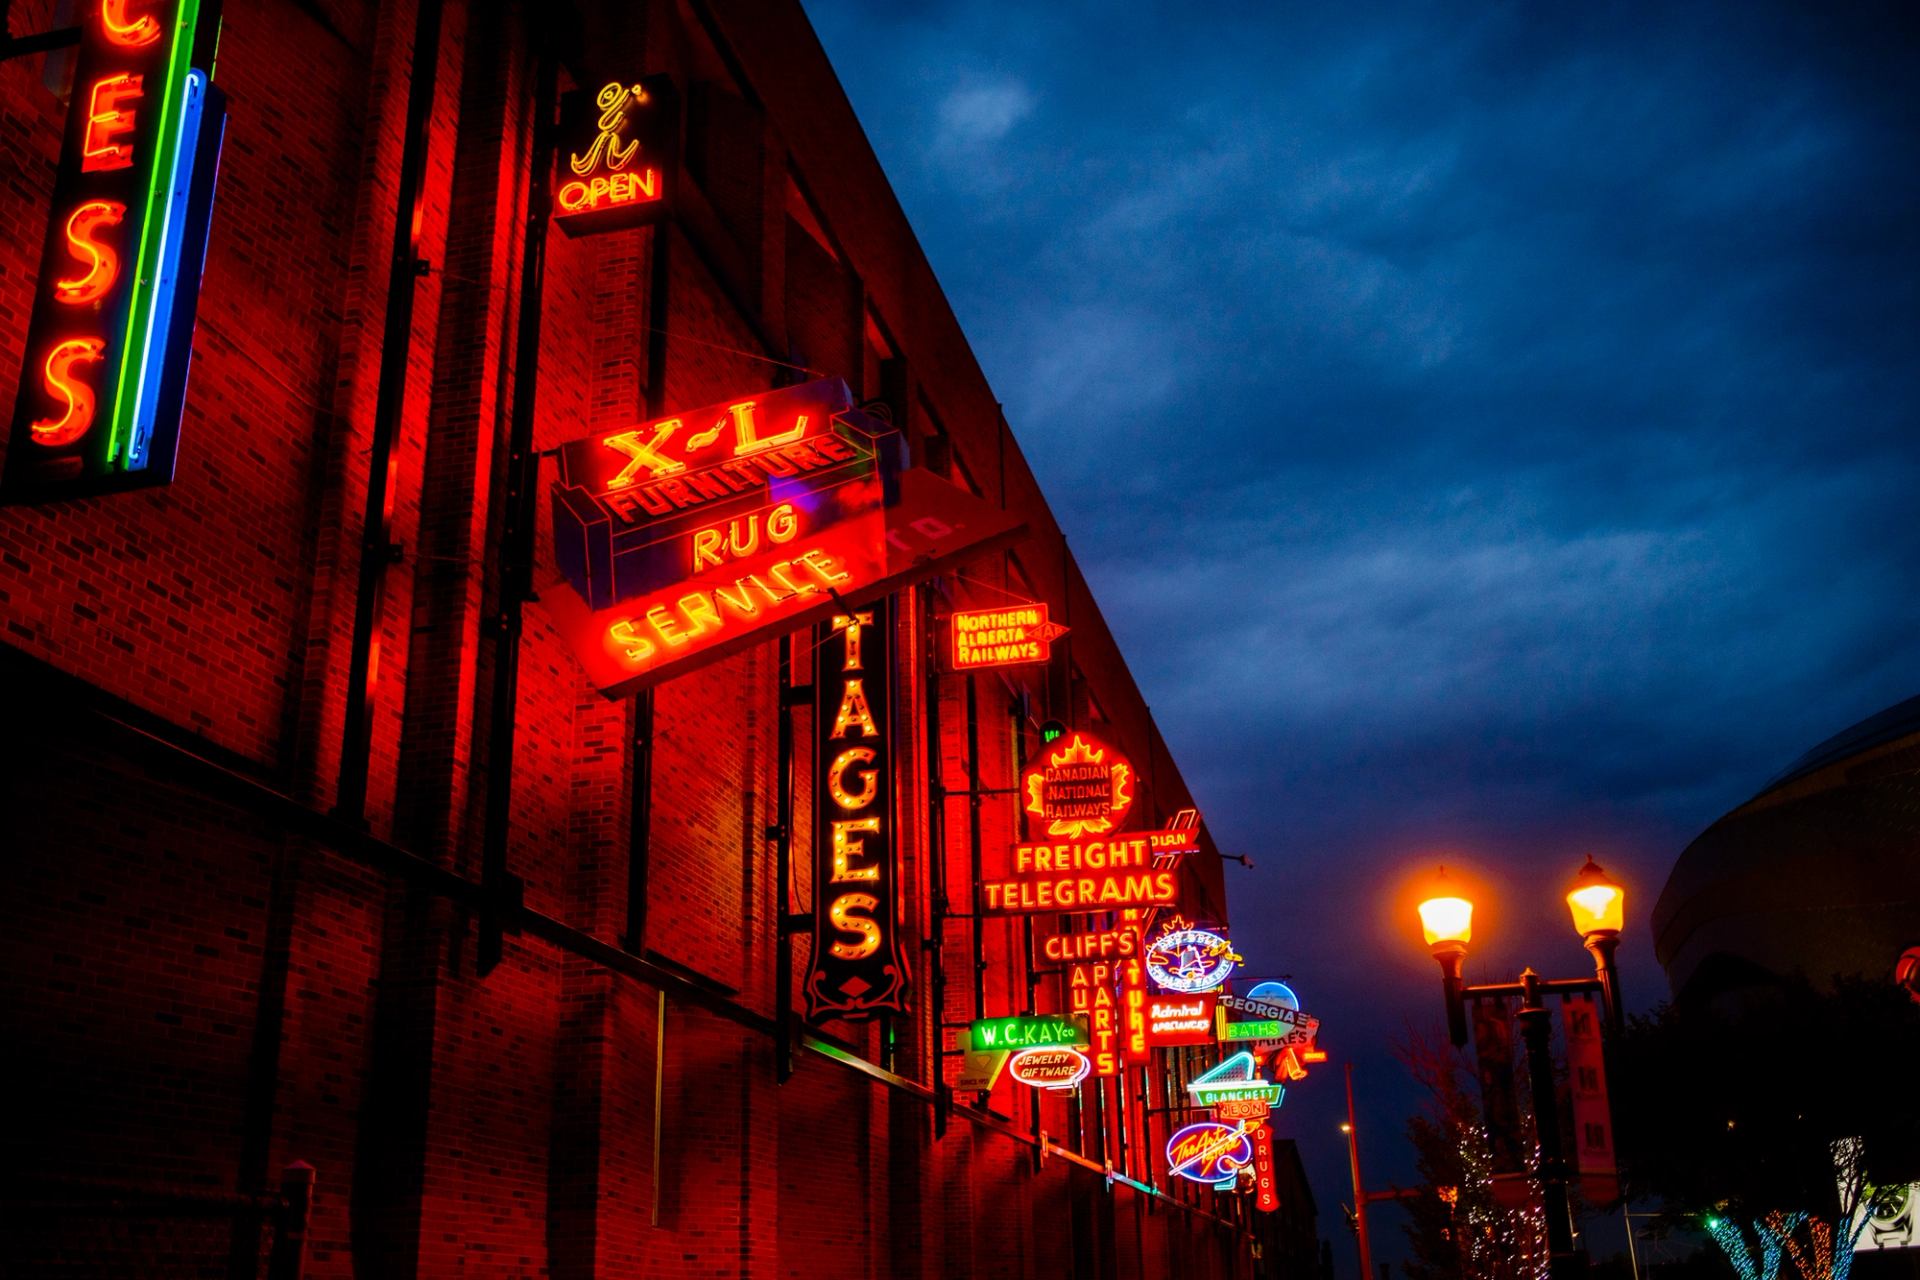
point(1027, 1030)
point(1253, 1031)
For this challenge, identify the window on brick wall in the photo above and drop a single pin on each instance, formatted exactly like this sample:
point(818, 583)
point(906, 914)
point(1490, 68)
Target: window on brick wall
point(726, 156)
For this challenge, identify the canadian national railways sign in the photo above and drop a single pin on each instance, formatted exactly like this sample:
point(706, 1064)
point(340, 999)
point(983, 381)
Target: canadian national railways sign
point(856, 969)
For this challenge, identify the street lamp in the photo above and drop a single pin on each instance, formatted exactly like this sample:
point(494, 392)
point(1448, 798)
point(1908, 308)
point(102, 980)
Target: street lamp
point(1446, 921)
point(1598, 905)
point(1599, 908)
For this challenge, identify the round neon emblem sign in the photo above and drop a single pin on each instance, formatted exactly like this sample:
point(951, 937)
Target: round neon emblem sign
point(1190, 960)
point(1210, 1152)
point(1055, 1067)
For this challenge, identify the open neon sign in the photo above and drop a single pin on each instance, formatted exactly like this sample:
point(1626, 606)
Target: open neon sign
point(111, 334)
point(614, 155)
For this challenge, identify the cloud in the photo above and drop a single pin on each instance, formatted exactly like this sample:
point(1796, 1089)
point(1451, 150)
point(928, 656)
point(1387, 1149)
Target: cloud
point(1487, 429)
point(978, 115)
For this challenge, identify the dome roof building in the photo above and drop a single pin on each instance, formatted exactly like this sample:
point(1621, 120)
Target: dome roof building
point(1818, 874)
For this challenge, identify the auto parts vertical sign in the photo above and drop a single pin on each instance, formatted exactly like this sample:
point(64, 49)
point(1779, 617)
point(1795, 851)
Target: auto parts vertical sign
point(856, 969)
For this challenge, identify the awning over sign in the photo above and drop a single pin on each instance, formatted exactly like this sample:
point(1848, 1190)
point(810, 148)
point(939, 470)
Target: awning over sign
point(638, 643)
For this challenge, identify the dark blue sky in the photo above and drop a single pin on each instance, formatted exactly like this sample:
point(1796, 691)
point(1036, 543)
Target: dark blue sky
point(1490, 429)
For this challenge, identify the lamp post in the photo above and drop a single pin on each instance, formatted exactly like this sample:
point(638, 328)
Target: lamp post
point(1351, 1129)
point(1598, 906)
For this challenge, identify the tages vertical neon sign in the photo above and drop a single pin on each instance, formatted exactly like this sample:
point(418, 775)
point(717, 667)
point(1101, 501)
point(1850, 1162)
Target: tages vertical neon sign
point(856, 969)
point(111, 333)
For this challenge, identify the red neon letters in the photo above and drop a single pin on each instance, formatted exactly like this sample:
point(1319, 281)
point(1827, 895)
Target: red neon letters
point(107, 121)
point(102, 263)
point(138, 33)
point(61, 380)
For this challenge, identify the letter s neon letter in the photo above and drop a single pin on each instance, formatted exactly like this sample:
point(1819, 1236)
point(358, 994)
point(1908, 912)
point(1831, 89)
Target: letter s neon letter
point(84, 225)
point(842, 915)
point(61, 381)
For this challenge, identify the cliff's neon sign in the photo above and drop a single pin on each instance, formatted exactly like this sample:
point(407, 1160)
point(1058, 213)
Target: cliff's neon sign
point(110, 337)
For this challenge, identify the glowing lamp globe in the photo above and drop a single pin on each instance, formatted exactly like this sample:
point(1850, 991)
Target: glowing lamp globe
point(1598, 904)
point(1446, 919)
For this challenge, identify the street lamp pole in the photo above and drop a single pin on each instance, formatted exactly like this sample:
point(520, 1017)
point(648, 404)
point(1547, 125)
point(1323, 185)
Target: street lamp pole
point(1598, 907)
point(1352, 1131)
point(1536, 1028)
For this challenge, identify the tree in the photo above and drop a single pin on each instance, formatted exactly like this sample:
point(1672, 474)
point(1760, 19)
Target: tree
point(1770, 1120)
point(1457, 1229)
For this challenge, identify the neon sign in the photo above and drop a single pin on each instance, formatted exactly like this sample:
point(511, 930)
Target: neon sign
point(689, 538)
point(1242, 1109)
point(1180, 1020)
point(615, 153)
point(1059, 1068)
point(1080, 788)
point(1081, 877)
point(1266, 1188)
point(1210, 1152)
point(1190, 960)
point(1017, 636)
point(856, 969)
point(111, 334)
point(1236, 1079)
point(1090, 994)
point(1270, 1022)
point(1107, 944)
point(721, 492)
point(1026, 1031)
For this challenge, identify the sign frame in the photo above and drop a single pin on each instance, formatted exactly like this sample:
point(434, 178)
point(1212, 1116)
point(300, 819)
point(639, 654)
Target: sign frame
point(856, 967)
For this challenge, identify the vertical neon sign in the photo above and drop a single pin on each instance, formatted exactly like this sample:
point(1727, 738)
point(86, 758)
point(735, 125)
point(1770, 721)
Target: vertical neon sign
point(112, 327)
point(856, 969)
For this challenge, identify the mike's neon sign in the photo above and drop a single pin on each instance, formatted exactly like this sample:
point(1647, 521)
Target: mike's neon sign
point(112, 328)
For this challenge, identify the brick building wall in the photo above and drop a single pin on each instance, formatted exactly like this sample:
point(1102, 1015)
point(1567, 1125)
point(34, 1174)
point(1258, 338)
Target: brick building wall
point(206, 973)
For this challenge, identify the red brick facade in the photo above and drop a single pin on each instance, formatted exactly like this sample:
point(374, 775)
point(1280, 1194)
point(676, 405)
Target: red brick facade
point(208, 974)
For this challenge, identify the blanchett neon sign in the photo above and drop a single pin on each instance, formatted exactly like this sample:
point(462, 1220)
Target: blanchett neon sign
point(111, 334)
point(1018, 636)
point(856, 969)
point(1078, 786)
point(615, 152)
